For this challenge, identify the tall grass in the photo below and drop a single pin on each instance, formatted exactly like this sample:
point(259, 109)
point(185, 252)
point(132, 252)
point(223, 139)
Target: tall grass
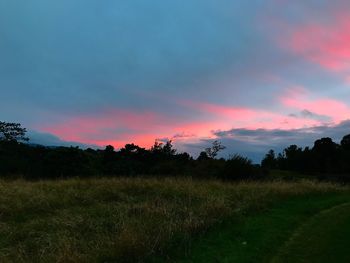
point(122, 220)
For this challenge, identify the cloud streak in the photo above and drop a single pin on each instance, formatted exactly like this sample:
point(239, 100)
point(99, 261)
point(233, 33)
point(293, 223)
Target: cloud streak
point(255, 142)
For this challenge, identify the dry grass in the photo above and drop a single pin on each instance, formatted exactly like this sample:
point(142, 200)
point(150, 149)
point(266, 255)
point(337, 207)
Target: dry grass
point(123, 220)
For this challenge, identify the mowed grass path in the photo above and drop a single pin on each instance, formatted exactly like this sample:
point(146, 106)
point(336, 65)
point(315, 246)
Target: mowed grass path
point(311, 228)
point(324, 238)
point(143, 219)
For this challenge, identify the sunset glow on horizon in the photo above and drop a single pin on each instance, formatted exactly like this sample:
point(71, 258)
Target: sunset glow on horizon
point(93, 74)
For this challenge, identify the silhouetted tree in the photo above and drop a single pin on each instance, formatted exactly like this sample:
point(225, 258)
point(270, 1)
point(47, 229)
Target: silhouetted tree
point(168, 148)
point(240, 168)
point(345, 142)
point(108, 160)
point(294, 157)
point(203, 156)
point(326, 146)
point(163, 149)
point(325, 153)
point(269, 160)
point(132, 150)
point(213, 151)
point(12, 132)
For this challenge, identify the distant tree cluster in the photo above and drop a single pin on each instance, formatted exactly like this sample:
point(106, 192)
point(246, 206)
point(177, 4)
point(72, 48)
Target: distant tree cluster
point(326, 159)
point(37, 162)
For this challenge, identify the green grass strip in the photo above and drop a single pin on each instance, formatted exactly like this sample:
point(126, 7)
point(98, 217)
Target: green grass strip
point(324, 238)
point(260, 237)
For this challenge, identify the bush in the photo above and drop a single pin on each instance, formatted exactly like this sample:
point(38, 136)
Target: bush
point(240, 168)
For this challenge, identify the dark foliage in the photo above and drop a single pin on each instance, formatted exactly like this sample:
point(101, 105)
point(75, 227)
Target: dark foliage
point(326, 160)
point(243, 169)
point(38, 162)
point(12, 132)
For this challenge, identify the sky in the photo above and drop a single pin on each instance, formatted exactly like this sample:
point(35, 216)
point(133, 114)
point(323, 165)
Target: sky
point(255, 75)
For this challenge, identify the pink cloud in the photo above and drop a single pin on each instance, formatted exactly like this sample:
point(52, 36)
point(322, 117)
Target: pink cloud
point(324, 43)
point(118, 126)
point(238, 117)
point(336, 110)
point(114, 126)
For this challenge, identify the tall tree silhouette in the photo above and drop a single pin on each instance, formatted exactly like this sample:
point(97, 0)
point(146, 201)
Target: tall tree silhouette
point(269, 160)
point(325, 151)
point(345, 142)
point(213, 151)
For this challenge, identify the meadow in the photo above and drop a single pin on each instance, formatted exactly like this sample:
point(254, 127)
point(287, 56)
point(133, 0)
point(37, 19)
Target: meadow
point(132, 219)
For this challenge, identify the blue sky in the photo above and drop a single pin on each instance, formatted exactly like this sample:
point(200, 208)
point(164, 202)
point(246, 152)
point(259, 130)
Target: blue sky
point(112, 72)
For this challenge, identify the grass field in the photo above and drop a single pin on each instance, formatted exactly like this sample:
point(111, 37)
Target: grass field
point(134, 219)
point(270, 236)
point(324, 238)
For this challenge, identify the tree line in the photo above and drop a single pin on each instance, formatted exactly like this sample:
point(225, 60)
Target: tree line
point(18, 158)
point(325, 160)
